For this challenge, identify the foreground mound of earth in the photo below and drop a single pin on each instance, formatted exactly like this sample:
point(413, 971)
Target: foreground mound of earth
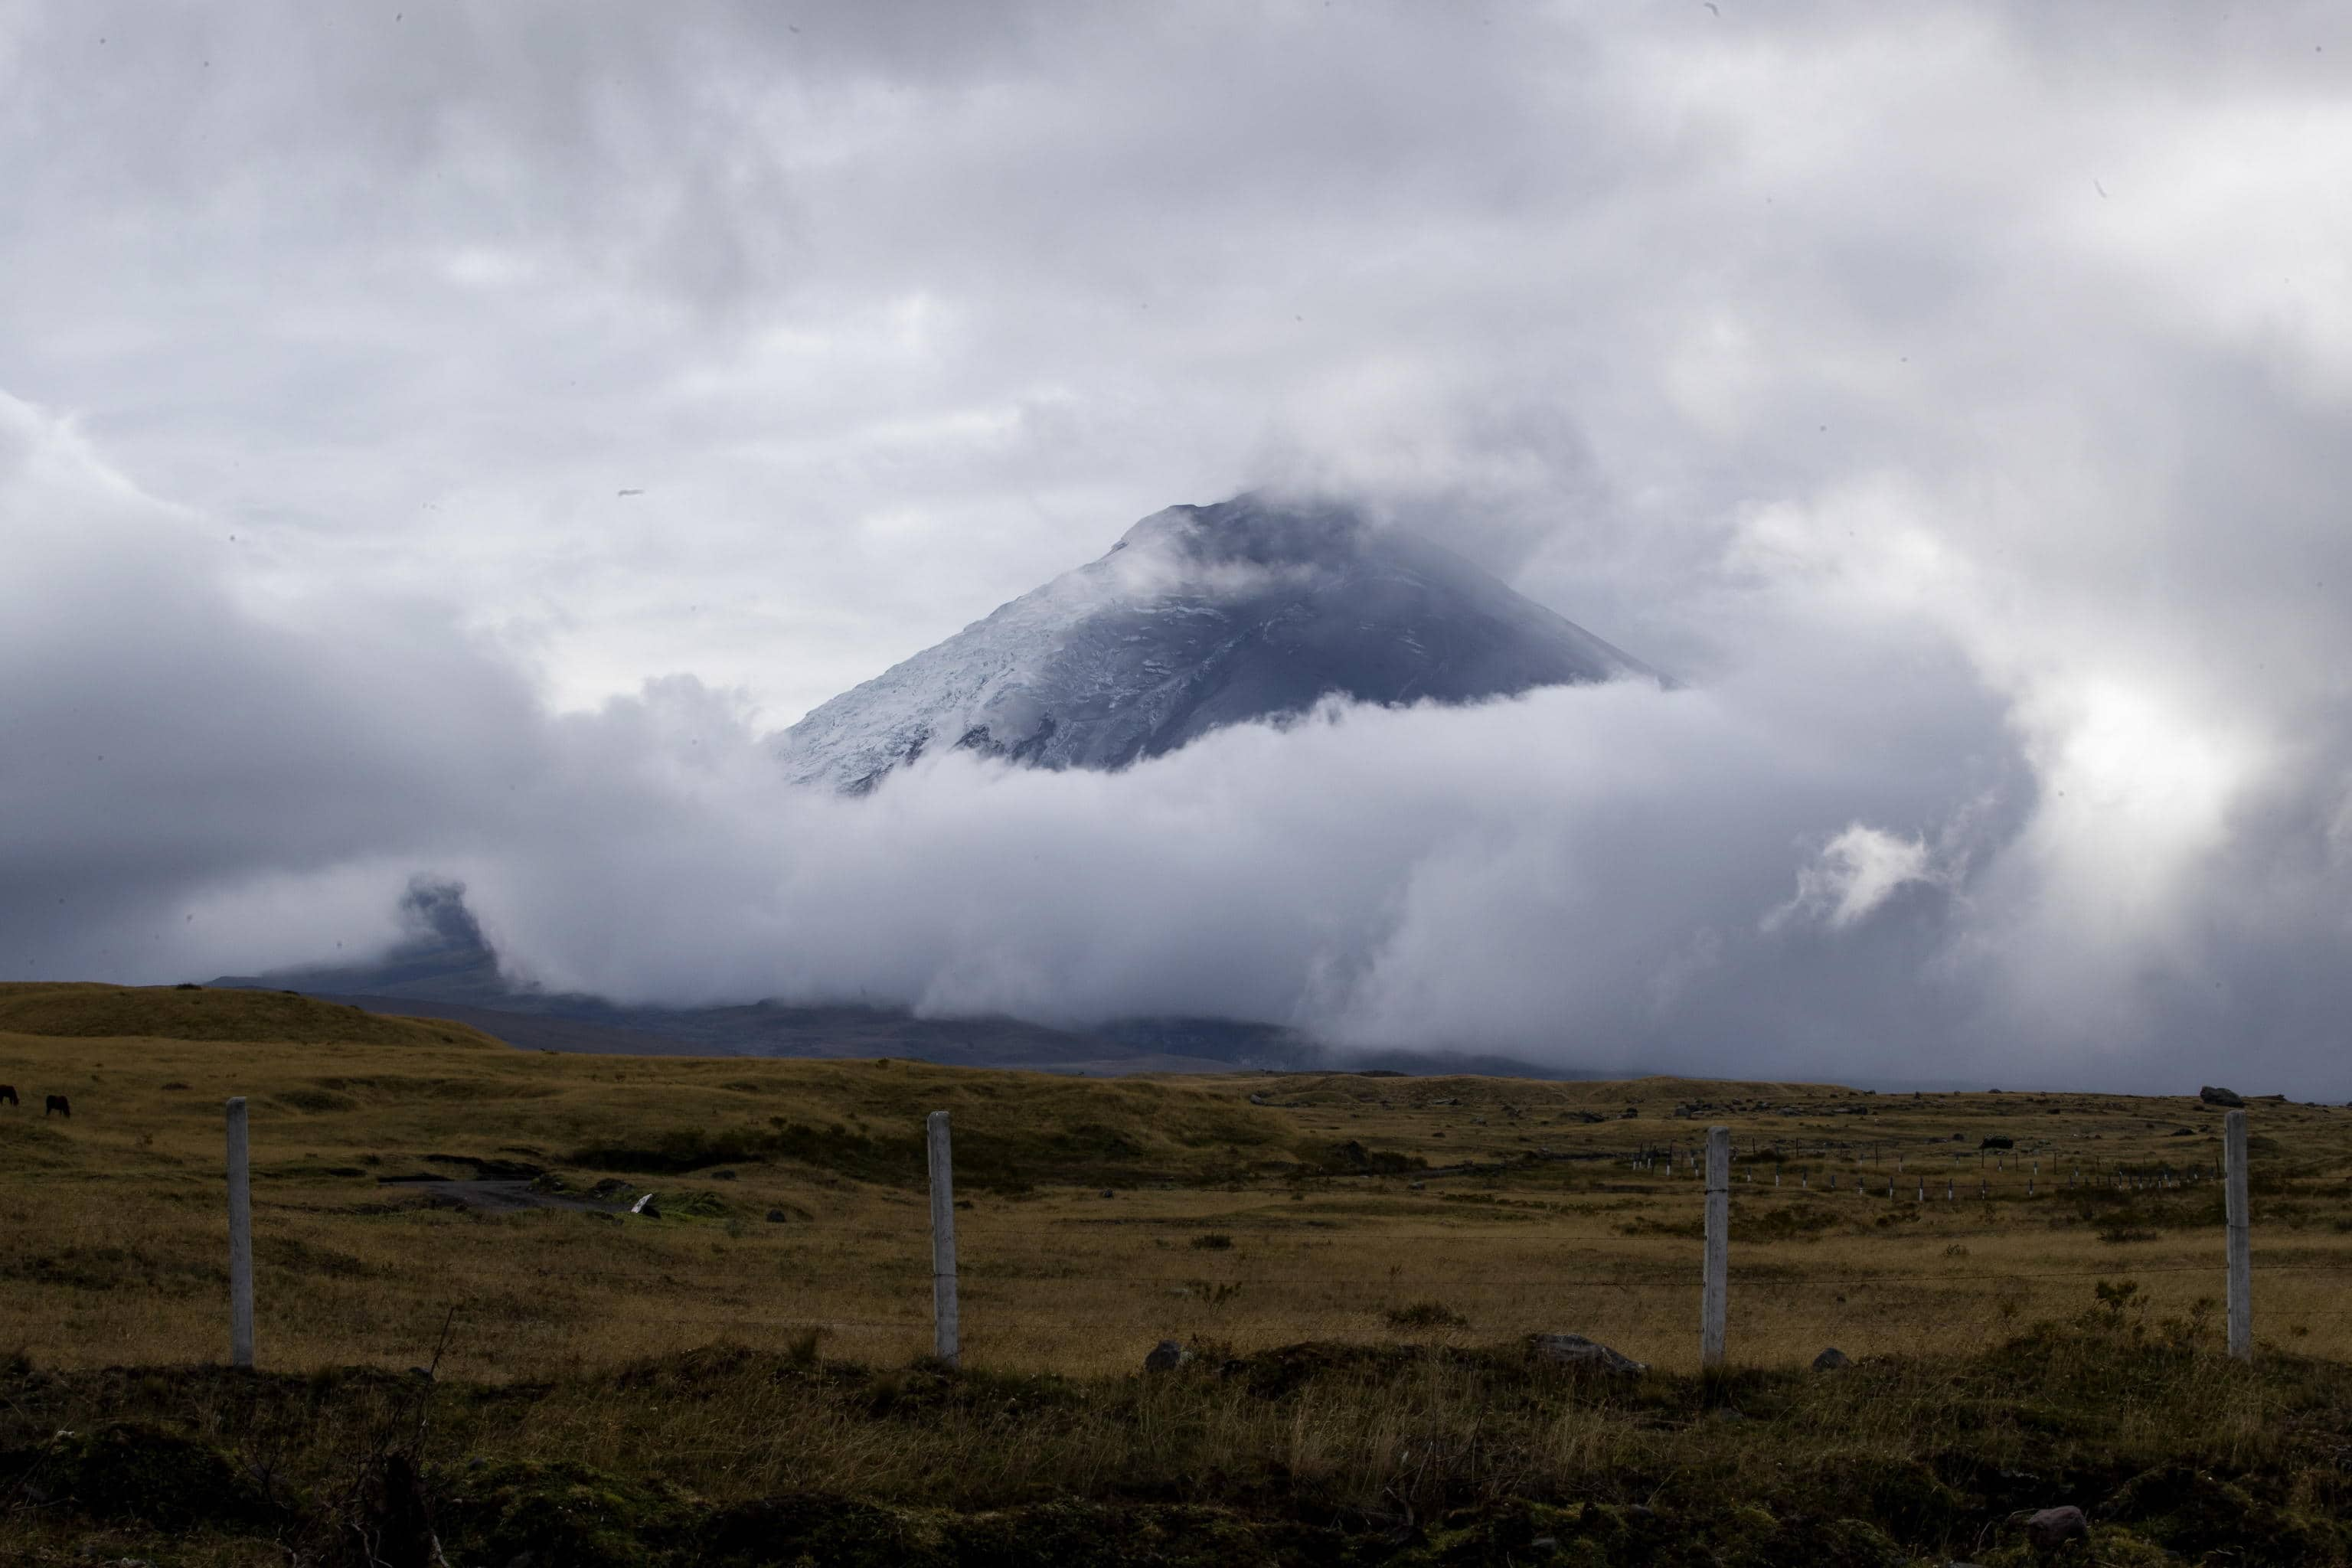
point(2088, 1440)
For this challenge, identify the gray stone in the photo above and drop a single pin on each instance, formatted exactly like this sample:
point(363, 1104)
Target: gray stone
point(2055, 1527)
point(1166, 1356)
point(2212, 1094)
point(1831, 1360)
point(776, 1217)
point(1575, 1349)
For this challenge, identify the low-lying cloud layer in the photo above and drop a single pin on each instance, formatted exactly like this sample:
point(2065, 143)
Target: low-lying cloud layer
point(1953, 399)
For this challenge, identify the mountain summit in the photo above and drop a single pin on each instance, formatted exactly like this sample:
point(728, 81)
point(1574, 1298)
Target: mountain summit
point(1199, 617)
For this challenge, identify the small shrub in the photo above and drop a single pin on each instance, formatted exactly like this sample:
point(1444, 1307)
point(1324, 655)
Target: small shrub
point(1212, 1241)
point(1426, 1315)
point(1214, 1295)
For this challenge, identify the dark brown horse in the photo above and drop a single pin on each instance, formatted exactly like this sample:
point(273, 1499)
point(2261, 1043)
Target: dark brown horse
point(8, 1092)
point(58, 1105)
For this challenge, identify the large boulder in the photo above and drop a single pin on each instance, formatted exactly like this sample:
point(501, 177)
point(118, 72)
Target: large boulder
point(1831, 1360)
point(1575, 1349)
point(1166, 1356)
point(2055, 1527)
point(2212, 1094)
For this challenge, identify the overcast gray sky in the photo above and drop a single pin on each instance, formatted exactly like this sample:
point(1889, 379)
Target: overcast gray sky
point(1954, 396)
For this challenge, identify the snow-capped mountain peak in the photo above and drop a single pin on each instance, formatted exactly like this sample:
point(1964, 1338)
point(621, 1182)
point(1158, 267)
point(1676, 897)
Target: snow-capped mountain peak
point(1200, 617)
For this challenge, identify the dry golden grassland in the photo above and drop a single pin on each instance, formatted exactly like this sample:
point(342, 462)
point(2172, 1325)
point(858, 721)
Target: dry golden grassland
point(1356, 1259)
point(1100, 1215)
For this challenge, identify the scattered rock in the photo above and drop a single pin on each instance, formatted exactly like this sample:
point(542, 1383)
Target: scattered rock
point(1166, 1356)
point(1109, 1193)
point(776, 1217)
point(1831, 1360)
point(2212, 1094)
point(1575, 1349)
point(2054, 1527)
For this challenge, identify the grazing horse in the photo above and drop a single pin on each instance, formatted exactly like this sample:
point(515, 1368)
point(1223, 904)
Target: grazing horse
point(8, 1092)
point(58, 1105)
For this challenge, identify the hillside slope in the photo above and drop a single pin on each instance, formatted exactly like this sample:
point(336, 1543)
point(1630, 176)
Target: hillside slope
point(92, 1011)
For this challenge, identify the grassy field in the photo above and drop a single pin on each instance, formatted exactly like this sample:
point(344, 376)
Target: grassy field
point(1358, 1259)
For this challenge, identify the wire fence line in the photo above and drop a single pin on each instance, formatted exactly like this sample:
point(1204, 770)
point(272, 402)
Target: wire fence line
point(1714, 1280)
point(1715, 1274)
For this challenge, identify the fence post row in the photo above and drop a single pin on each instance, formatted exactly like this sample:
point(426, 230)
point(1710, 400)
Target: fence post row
point(240, 1239)
point(2241, 1258)
point(1713, 1308)
point(1714, 1300)
point(944, 1343)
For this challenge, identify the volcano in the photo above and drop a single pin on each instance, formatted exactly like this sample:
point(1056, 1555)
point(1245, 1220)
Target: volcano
point(1255, 609)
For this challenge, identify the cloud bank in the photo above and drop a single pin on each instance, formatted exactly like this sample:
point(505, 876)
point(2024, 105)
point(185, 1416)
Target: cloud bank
point(1954, 400)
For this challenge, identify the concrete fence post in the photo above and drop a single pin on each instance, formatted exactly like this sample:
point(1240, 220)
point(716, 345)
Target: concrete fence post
point(240, 1238)
point(945, 1341)
point(2241, 1257)
point(1715, 1298)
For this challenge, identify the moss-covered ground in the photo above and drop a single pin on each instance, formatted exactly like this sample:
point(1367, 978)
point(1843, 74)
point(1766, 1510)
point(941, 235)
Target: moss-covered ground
point(1312, 1454)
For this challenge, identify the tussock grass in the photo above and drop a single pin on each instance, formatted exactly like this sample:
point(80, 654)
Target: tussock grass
point(718, 1356)
point(1411, 1454)
point(1528, 1216)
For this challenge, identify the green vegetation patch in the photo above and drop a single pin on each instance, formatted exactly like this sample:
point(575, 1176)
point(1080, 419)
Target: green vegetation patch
point(563, 1512)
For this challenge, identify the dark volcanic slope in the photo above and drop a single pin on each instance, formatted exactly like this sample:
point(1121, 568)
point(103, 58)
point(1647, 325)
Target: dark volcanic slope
point(1200, 617)
point(446, 970)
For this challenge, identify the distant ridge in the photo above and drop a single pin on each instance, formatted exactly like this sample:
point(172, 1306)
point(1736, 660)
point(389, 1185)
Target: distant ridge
point(446, 970)
point(87, 1010)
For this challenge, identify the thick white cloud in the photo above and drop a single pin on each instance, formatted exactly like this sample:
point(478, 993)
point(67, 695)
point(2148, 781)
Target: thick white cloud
point(1953, 395)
